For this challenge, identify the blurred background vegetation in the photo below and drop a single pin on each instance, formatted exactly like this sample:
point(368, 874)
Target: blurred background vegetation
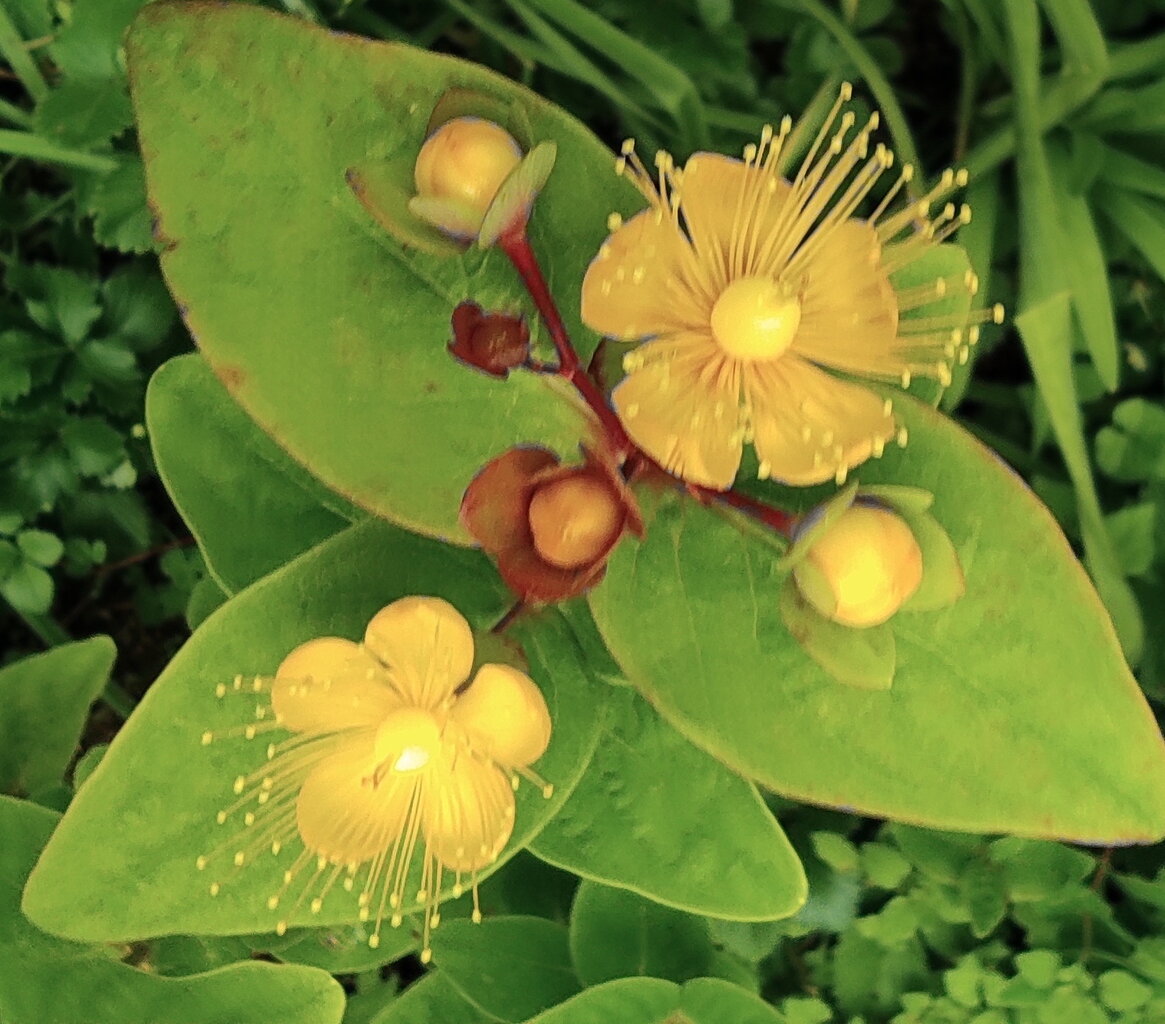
point(1057, 109)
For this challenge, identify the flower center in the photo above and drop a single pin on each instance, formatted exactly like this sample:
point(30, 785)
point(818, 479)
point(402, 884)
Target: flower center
point(406, 741)
point(754, 319)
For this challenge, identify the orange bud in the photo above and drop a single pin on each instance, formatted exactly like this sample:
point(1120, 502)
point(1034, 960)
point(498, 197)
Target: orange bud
point(575, 519)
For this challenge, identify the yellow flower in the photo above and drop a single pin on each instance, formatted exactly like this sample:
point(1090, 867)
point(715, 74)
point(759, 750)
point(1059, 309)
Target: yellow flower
point(389, 750)
point(747, 289)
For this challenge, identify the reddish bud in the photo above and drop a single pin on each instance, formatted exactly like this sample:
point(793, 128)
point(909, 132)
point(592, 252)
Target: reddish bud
point(550, 527)
point(492, 342)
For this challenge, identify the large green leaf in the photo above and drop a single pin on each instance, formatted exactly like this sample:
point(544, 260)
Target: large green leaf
point(508, 967)
point(1012, 710)
point(327, 330)
point(44, 702)
point(616, 934)
point(249, 505)
point(46, 980)
point(659, 816)
point(122, 863)
point(431, 1000)
point(654, 1001)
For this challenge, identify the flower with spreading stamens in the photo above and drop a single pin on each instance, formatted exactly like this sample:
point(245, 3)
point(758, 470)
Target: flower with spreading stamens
point(749, 292)
point(390, 749)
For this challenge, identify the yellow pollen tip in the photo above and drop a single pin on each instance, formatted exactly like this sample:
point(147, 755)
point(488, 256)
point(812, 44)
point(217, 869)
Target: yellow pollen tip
point(754, 320)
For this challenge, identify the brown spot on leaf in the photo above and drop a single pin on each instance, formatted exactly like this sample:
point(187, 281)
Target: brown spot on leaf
point(234, 378)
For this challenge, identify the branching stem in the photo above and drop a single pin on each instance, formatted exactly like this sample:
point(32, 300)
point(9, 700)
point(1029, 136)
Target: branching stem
point(516, 246)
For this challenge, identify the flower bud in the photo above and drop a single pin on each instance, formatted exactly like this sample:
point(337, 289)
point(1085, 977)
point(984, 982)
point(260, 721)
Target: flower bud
point(550, 527)
point(862, 568)
point(492, 342)
point(575, 519)
point(459, 170)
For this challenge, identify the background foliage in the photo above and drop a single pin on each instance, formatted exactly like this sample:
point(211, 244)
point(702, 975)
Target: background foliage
point(1054, 109)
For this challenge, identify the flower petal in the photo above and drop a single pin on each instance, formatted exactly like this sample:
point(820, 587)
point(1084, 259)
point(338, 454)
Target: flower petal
point(504, 716)
point(681, 406)
point(330, 684)
point(849, 314)
point(426, 645)
point(467, 811)
point(809, 426)
point(342, 816)
point(730, 208)
point(635, 286)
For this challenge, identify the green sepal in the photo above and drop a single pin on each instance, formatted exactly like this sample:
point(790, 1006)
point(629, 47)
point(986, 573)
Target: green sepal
point(903, 499)
point(459, 102)
point(942, 582)
point(511, 204)
point(453, 219)
point(864, 658)
point(387, 195)
point(814, 524)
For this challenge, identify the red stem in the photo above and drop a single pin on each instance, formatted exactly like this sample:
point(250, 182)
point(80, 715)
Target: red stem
point(516, 246)
point(775, 518)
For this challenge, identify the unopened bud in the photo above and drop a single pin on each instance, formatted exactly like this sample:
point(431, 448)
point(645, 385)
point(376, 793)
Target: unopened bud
point(575, 519)
point(550, 527)
point(459, 170)
point(862, 568)
point(493, 342)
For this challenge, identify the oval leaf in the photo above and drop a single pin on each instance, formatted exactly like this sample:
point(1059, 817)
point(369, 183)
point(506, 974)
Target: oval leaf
point(616, 934)
point(329, 331)
point(638, 1000)
point(49, 979)
point(510, 968)
point(249, 505)
point(657, 815)
point(122, 864)
point(1012, 710)
point(44, 704)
